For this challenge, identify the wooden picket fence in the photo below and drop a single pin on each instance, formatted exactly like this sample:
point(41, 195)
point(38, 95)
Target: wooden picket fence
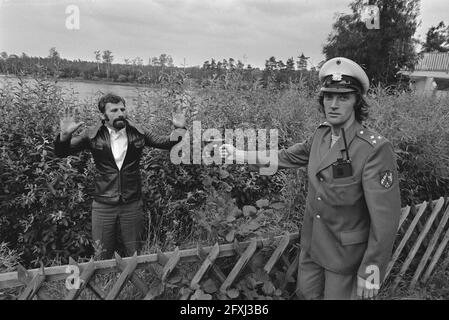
point(422, 238)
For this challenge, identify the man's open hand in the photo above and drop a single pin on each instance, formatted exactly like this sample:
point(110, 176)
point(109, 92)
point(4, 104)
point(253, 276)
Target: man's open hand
point(179, 117)
point(365, 290)
point(67, 124)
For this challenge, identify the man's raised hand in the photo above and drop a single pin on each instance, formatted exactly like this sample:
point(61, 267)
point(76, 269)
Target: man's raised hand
point(67, 123)
point(179, 117)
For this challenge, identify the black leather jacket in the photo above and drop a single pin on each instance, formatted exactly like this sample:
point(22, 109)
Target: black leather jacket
point(112, 185)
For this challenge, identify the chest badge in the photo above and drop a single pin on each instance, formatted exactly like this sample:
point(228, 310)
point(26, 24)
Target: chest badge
point(386, 179)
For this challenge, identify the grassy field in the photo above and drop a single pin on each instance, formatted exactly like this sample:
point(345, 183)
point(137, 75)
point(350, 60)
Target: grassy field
point(45, 201)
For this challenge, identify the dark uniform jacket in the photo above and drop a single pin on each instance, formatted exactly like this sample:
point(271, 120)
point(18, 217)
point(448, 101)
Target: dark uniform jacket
point(350, 223)
point(111, 184)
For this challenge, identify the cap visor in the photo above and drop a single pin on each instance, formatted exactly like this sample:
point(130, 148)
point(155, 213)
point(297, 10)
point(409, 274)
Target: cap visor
point(338, 90)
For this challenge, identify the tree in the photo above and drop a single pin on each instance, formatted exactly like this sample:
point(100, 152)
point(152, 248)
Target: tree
point(108, 58)
point(437, 39)
point(165, 60)
point(213, 64)
point(53, 54)
point(271, 64)
point(54, 57)
point(290, 64)
point(98, 58)
point(155, 62)
point(302, 62)
point(224, 64)
point(206, 65)
point(383, 52)
point(240, 65)
point(4, 55)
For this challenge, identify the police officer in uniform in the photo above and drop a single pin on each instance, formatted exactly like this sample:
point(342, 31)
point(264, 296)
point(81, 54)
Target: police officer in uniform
point(353, 203)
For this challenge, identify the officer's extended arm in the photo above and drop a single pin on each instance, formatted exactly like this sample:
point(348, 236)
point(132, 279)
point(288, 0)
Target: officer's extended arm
point(294, 157)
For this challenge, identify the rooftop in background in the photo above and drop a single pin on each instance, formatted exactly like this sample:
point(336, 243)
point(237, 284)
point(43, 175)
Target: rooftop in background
point(433, 65)
point(437, 61)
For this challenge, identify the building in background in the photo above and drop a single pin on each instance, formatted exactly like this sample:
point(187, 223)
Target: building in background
point(431, 74)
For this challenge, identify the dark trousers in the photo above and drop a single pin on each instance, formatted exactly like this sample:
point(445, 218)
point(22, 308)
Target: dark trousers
point(109, 222)
point(315, 282)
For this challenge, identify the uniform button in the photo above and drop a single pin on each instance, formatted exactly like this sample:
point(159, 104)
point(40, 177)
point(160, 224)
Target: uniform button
point(321, 179)
point(319, 198)
point(318, 216)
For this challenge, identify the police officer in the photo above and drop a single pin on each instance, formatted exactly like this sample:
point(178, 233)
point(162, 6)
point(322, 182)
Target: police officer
point(353, 203)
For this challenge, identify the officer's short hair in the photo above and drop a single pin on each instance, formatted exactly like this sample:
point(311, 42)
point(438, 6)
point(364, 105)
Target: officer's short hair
point(109, 98)
point(361, 108)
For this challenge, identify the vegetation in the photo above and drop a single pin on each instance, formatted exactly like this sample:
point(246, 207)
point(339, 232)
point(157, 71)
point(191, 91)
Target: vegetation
point(384, 51)
point(45, 201)
point(437, 39)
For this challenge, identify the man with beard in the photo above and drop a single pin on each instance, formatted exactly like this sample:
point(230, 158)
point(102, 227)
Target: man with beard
point(116, 146)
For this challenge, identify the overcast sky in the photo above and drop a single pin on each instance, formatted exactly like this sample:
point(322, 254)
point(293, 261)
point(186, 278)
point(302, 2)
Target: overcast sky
point(197, 30)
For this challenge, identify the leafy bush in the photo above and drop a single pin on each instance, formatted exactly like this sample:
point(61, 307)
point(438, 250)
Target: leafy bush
point(46, 201)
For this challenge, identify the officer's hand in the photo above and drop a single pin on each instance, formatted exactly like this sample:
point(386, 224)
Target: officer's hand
point(227, 151)
point(365, 290)
point(67, 123)
point(179, 117)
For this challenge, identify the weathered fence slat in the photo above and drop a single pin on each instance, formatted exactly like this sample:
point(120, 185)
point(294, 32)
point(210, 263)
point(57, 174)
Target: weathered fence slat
point(123, 278)
point(135, 279)
point(33, 286)
point(96, 290)
point(291, 270)
point(277, 254)
point(436, 209)
point(171, 264)
point(208, 262)
point(404, 214)
point(241, 263)
point(215, 269)
point(436, 256)
point(25, 278)
point(404, 240)
point(430, 248)
point(85, 276)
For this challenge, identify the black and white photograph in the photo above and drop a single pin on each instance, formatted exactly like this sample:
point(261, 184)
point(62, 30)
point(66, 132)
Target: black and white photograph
point(233, 157)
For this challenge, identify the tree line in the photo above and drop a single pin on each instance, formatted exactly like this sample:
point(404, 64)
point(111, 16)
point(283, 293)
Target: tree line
point(135, 71)
point(382, 52)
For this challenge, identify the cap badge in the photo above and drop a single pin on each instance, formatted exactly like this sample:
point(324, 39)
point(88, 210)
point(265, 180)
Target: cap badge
point(336, 76)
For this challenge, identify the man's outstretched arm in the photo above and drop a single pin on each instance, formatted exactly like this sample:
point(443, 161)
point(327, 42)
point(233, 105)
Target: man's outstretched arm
point(168, 142)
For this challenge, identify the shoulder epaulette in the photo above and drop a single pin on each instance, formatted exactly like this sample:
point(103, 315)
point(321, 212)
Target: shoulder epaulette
point(370, 136)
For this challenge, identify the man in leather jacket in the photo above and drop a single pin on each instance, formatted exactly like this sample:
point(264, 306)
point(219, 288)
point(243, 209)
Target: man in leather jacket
point(116, 145)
